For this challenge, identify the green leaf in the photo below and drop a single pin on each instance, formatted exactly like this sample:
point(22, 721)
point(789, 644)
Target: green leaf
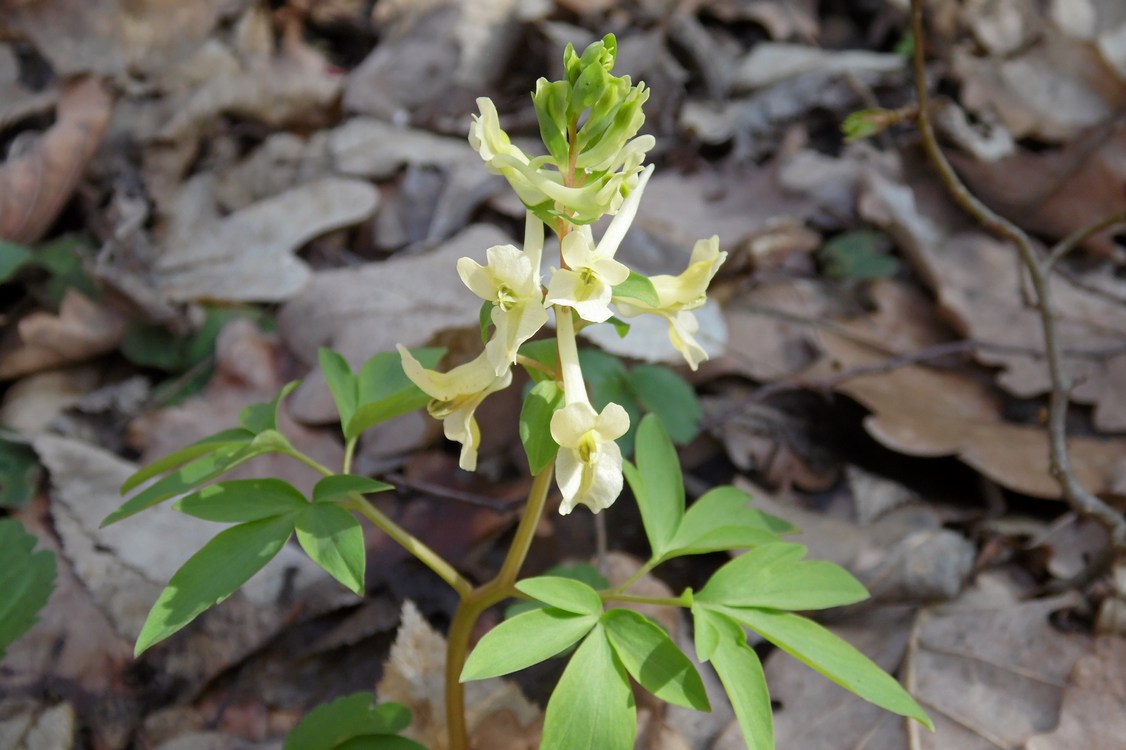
point(353, 719)
point(543, 351)
point(334, 539)
point(186, 478)
point(241, 500)
point(640, 288)
point(525, 640)
point(342, 383)
point(153, 345)
point(485, 319)
point(26, 578)
point(722, 520)
point(19, 474)
point(584, 572)
point(740, 671)
point(664, 393)
point(337, 487)
point(654, 660)
point(386, 392)
point(563, 593)
point(259, 418)
point(209, 444)
point(212, 574)
point(774, 576)
point(13, 257)
point(592, 705)
point(833, 657)
point(661, 499)
point(620, 326)
point(535, 424)
point(858, 255)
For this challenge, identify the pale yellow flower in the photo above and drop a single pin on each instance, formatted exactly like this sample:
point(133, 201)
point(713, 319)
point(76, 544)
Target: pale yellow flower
point(456, 395)
point(512, 284)
point(588, 467)
point(586, 283)
point(678, 295)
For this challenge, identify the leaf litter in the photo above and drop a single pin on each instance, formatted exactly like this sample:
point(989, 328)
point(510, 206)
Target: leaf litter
point(310, 160)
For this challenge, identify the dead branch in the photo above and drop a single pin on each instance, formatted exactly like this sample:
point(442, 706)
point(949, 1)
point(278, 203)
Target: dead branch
point(1039, 273)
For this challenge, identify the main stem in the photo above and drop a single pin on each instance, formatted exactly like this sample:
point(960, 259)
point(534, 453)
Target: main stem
point(481, 598)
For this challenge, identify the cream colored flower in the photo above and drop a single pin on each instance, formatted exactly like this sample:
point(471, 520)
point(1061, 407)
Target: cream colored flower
point(678, 295)
point(586, 283)
point(588, 467)
point(512, 284)
point(456, 395)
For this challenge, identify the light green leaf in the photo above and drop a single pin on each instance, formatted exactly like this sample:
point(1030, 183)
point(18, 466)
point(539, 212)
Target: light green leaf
point(386, 392)
point(186, 478)
point(664, 393)
point(334, 539)
point(26, 578)
point(584, 572)
point(563, 593)
point(535, 424)
point(212, 574)
point(353, 719)
point(209, 444)
point(640, 288)
point(543, 351)
point(775, 577)
point(259, 418)
point(525, 640)
point(486, 319)
point(19, 473)
point(858, 255)
point(242, 500)
point(342, 383)
point(721, 520)
point(337, 487)
point(662, 500)
point(833, 657)
point(592, 705)
point(654, 660)
point(740, 671)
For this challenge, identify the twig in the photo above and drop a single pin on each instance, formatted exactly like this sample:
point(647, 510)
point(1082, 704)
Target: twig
point(1039, 273)
point(449, 493)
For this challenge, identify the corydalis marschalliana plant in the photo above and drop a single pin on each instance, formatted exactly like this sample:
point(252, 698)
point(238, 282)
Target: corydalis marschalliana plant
point(594, 167)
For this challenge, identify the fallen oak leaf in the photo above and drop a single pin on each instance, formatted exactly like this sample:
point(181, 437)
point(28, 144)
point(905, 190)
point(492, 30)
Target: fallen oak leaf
point(82, 329)
point(35, 185)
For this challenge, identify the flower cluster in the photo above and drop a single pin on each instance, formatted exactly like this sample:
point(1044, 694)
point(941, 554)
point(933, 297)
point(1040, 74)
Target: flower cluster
point(589, 123)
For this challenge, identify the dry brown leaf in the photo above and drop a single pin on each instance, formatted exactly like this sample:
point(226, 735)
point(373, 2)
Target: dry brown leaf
point(928, 412)
point(989, 668)
point(82, 329)
point(32, 403)
point(977, 283)
point(361, 311)
point(249, 254)
point(365, 147)
point(35, 185)
point(1093, 714)
point(498, 716)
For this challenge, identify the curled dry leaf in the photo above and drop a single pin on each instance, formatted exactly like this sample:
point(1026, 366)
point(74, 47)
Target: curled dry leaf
point(926, 412)
point(249, 254)
point(497, 714)
point(82, 329)
point(1093, 713)
point(35, 185)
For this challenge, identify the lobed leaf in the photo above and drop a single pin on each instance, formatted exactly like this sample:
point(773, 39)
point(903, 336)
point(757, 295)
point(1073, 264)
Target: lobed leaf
point(592, 705)
point(337, 487)
point(261, 418)
point(830, 655)
point(209, 444)
point(662, 500)
point(334, 539)
point(525, 640)
point(342, 383)
point(651, 658)
point(567, 594)
point(664, 393)
point(638, 287)
point(386, 392)
point(242, 500)
point(774, 576)
point(212, 574)
point(741, 673)
point(354, 722)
